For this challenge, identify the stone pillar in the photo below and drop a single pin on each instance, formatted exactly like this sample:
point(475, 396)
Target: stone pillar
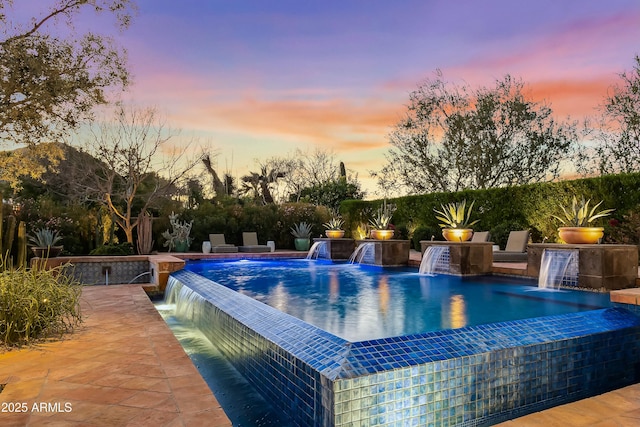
point(388, 253)
point(465, 258)
point(599, 266)
point(337, 249)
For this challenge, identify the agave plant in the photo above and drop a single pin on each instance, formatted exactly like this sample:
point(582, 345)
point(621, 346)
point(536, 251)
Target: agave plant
point(44, 237)
point(383, 216)
point(335, 223)
point(455, 215)
point(301, 230)
point(579, 215)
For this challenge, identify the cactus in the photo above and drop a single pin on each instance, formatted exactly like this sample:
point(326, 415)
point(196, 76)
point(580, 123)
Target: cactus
point(145, 233)
point(9, 235)
point(22, 245)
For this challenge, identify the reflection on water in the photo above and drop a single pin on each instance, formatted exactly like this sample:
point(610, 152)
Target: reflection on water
point(364, 302)
point(457, 312)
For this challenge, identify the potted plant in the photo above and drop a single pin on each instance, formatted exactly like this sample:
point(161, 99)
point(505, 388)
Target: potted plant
point(381, 222)
point(178, 237)
point(302, 234)
point(43, 243)
point(456, 221)
point(576, 219)
point(334, 227)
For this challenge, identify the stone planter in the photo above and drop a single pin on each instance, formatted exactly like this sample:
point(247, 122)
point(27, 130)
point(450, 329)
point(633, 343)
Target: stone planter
point(580, 235)
point(457, 234)
point(182, 246)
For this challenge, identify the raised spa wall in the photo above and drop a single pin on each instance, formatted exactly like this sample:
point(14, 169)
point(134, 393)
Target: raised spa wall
point(152, 270)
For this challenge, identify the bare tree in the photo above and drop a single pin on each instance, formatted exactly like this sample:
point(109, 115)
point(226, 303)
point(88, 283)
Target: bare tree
point(137, 165)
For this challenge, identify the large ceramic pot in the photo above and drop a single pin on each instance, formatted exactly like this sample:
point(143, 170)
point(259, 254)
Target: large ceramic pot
point(182, 246)
point(457, 234)
point(302, 244)
point(381, 234)
point(334, 234)
point(581, 235)
point(46, 251)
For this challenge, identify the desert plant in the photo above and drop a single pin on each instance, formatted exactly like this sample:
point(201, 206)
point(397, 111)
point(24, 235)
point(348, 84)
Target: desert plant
point(455, 215)
point(335, 223)
point(179, 233)
point(37, 303)
point(44, 237)
point(382, 218)
point(579, 215)
point(301, 230)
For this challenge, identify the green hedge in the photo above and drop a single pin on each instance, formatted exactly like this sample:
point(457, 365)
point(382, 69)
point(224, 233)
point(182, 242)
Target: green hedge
point(501, 210)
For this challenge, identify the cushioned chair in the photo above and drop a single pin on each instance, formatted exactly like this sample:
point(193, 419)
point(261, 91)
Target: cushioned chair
point(219, 245)
point(516, 249)
point(481, 236)
point(250, 243)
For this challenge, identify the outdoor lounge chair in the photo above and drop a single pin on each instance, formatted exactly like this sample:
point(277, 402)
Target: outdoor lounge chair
point(481, 236)
point(219, 245)
point(250, 243)
point(516, 249)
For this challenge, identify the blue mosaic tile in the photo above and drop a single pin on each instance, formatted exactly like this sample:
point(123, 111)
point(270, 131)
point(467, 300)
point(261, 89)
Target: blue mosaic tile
point(472, 376)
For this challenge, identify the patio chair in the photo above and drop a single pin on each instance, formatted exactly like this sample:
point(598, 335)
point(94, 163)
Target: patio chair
point(219, 245)
point(250, 243)
point(481, 236)
point(516, 249)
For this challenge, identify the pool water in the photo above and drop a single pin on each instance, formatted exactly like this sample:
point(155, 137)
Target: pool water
point(360, 303)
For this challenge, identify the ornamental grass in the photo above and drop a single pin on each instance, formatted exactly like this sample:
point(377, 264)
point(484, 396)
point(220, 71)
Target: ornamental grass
point(37, 303)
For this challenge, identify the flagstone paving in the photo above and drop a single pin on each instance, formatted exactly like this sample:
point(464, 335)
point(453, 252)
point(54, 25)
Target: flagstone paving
point(123, 367)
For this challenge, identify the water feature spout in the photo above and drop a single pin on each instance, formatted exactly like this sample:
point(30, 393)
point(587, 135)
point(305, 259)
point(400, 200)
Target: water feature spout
point(317, 249)
point(558, 267)
point(361, 252)
point(435, 260)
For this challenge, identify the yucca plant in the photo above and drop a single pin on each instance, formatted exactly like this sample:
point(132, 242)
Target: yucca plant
point(455, 215)
point(579, 214)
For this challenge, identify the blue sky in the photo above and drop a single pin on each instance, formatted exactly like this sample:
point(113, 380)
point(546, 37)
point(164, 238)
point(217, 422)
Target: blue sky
point(256, 79)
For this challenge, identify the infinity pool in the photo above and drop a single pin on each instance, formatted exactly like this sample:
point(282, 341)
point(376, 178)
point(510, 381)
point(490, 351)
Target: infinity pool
point(360, 303)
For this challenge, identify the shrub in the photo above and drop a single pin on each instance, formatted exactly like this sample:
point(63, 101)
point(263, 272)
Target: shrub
point(425, 233)
point(37, 303)
point(115, 249)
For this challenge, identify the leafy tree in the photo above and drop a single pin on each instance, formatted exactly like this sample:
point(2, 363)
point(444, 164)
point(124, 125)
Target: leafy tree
point(455, 138)
point(619, 133)
point(332, 193)
point(49, 81)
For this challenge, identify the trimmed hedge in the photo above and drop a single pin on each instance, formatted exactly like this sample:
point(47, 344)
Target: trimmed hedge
point(501, 210)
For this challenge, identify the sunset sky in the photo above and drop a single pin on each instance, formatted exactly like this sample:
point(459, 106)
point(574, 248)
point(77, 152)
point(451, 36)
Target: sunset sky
point(260, 78)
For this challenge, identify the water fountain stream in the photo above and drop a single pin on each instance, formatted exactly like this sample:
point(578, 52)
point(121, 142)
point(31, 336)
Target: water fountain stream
point(558, 267)
point(435, 260)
